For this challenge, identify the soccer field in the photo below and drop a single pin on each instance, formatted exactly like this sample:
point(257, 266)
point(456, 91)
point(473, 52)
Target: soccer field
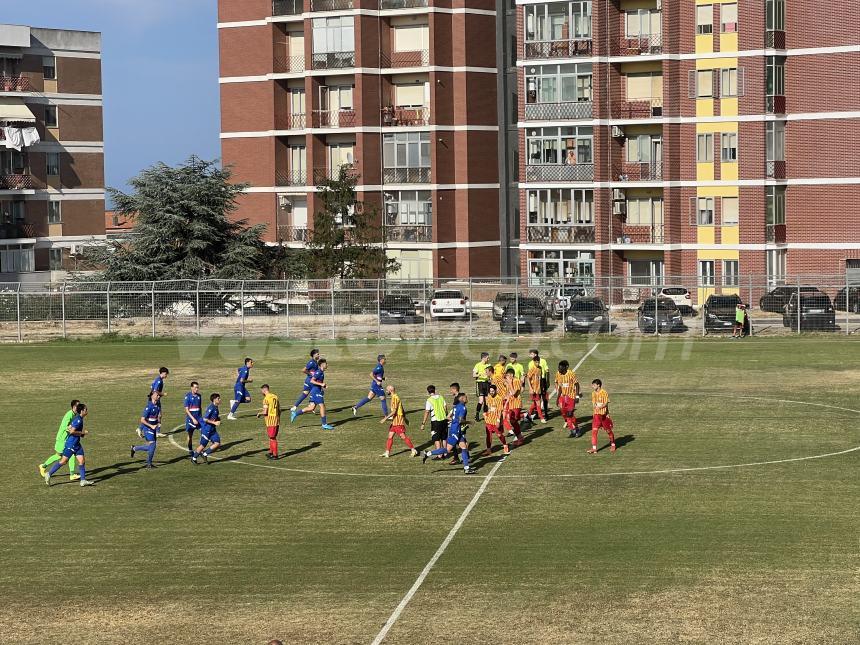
point(729, 513)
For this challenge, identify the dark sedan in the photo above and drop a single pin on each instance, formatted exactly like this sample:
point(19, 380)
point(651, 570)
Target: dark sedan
point(397, 310)
point(659, 315)
point(527, 315)
point(720, 312)
point(587, 315)
point(815, 311)
point(502, 300)
point(776, 299)
point(847, 299)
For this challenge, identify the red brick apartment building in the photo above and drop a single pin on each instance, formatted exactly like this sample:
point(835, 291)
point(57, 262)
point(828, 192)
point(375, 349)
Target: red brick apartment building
point(697, 138)
point(51, 189)
point(404, 91)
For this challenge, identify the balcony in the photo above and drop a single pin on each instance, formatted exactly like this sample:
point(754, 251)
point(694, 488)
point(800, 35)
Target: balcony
point(16, 182)
point(645, 108)
point(332, 5)
point(334, 118)
point(558, 48)
point(406, 175)
point(334, 60)
point(642, 233)
point(415, 58)
point(296, 122)
point(640, 171)
point(774, 169)
point(774, 39)
point(558, 111)
point(774, 104)
point(287, 7)
point(289, 64)
point(641, 46)
point(15, 83)
point(402, 4)
point(288, 233)
point(409, 233)
point(405, 116)
point(560, 233)
point(561, 172)
point(298, 177)
point(19, 230)
point(328, 173)
point(774, 233)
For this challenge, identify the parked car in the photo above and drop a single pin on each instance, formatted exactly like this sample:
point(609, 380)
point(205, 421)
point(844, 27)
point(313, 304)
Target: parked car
point(587, 314)
point(449, 303)
point(562, 295)
point(527, 315)
point(659, 315)
point(397, 309)
point(719, 312)
point(502, 299)
point(847, 299)
point(776, 299)
point(814, 310)
point(680, 296)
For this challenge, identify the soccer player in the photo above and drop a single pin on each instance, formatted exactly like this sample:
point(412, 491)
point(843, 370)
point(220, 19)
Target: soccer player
point(492, 419)
point(240, 390)
point(500, 368)
point(600, 418)
point(158, 386)
point(567, 387)
point(210, 440)
point(317, 396)
point(513, 409)
point(519, 370)
point(398, 424)
point(455, 397)
point(73, 447)
point(272, 412)
point(193, 409)
point(533, 376)
point(308, 370)
point(377, 377)
point(437, 410)
point(149, 428)
point(456, 436)
point(482, 383)
point(497, 378)
point(60, 444)
point(544, 379)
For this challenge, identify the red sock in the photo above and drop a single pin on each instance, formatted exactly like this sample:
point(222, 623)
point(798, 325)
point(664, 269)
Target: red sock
point(388, 444)
point(273, 446)
point(594, 436)
point(408, 442)
point(501, 435)
point(611, 436)
point(489, 439)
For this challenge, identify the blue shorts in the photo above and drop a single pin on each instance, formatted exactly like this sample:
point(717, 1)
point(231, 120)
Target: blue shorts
point(77, 451)
point(454, 439)
point(210, 436)
point(240, 393)
point(318, 397)
point(377, 390)
point(189, 428)
point(149, 434)
point(307, 386)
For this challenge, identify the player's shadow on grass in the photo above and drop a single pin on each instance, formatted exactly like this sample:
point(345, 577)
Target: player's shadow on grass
point(300, 450)
point(620, 442)
point(227, 446)
point(113, 471)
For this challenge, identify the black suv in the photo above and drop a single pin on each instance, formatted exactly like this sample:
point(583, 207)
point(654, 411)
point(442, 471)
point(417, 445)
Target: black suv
point(530, 318)
point(814, 312)
point(847, 299)
point(397, 309)
point(587, 314)
point(502, 300)
point(777, 299)
point(720, 312)
point(659, 315)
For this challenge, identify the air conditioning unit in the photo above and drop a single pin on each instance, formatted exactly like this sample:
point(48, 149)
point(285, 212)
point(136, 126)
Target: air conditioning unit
point(75, 250)
point(617, 131)
point(618, 195)
point(619, 208)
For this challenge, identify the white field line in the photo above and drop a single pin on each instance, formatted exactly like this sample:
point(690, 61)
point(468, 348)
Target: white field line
point(587, 354)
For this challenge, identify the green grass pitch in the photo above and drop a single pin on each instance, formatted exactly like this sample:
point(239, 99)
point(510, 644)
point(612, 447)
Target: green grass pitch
point(670, 540)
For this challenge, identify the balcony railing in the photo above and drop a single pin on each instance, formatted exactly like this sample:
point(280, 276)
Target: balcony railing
point(334, 60)
point(409, 233)
point(18, 230)
point(774, 104)
point(290, 64)
point(402, 4)
point(640, 171)
point(558, 48)
point(560, 233)
point(774, 39)
point(409, 116)
point(775, 233)
point(331, 5)
point(15, 83)
point(644, 108)
point(298, 177)
point(334, 118)
point(643, 233)
point(645, 44)
point(16, 182)
point(559, 172)
point(322, 174)
point(406, 175)
point(774, 169)
point(296, 122)
point(558, 111)
point(289, 233)
point(415, 58)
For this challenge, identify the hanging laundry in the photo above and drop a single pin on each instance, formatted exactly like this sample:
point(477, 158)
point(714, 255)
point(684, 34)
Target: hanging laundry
point(30, 136)
point(14, 138)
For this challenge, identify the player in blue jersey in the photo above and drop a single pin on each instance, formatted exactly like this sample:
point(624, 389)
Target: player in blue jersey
point(157, 386)
point(377, 387)
point(73, 447)
point(193, 411)
point(308, 370)
point(210, 440)
point(240, 390)
point(149, 421)
point(317, 396)
point(456, 436)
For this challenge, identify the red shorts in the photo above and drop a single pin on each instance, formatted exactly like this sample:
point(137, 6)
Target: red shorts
point(272, 431)
point(567, 404)
point(601, 421)
point(492, 429)
point(400, 430)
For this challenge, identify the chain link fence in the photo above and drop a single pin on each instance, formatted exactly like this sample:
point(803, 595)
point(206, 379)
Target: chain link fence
point(438, 308)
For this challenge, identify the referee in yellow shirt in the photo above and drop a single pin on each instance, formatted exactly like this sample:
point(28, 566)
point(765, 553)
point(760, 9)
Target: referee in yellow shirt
point(272, 412)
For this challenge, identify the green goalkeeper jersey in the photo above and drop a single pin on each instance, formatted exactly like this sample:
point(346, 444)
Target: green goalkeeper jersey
point(63, 431)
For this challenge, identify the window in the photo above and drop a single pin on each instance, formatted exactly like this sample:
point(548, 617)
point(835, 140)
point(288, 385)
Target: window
point(645, 273)
point(731, 82)
point(774, 205)
point(728, 18)
point(559, 83)
point(51, 116)
point(332, 35)
point(644, 211)
point(645, 86)
point(410, 207)
point(706, 273)
point(406, 150)
point(52, 162)
point(775, 260)
point(336, 97)
point(704, 148)
point(55, 259)
point(560, 206)
point(730, 273)
point(729, 146)
point(642, 23)
point(774, 15)
point(408, 38)
point(16, 258)
point(11, 212)
point(704, 83)
point(774, 138)
point(49, 68)
point(559, 146)
point(55, 212)
point(729, 212)
point(705, 211)
point(705, 19)
point(643, 148)
point(558, 21)
point(775, 76)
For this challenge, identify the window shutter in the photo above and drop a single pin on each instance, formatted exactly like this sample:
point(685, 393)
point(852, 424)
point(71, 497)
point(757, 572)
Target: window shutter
point(691, 80)
point(740, 81)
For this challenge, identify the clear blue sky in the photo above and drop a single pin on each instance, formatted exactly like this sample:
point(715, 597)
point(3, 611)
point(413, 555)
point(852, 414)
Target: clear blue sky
point(160, 75)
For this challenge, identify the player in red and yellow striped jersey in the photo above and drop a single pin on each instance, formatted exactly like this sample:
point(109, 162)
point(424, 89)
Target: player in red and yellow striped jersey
point(498, 379)
point(533, 376)
point(567, 386)
point(600, 416)
point(398, 423)
point(513, 405)
point(272, 412)
point(493, 419)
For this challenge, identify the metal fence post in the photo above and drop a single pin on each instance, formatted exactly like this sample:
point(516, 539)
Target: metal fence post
point(798, 304)
point(470, 304)
point(242, 304)
point(153, 308)
point(750, 296)
point(425, 308)
point(516, 311)
point(197, 307)
point(63, 306)
point(331, 289)
point(287, 294)
point(107, 305)
point(847, 300)
point(378, 310)
point(609, 308)
point(18, 308)
point(656, 312)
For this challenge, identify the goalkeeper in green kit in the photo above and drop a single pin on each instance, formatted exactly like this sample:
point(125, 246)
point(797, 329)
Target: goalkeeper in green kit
point(60, 444)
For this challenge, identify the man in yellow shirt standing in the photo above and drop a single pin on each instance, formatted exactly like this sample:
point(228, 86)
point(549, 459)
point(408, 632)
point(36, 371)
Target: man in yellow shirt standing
point(482, 382)
point(398, 424)
point(272, 413)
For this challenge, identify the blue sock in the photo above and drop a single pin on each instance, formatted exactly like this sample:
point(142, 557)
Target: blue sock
point(323, 420)
point(384, 406)
point(54, 468)
point(83, 473)
point(150, 453)
point(301, 398)
point(439, 451)
point(235, 407)
point(464, 455)
point(299, 412)
point(362, 402)
point(207, 452)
